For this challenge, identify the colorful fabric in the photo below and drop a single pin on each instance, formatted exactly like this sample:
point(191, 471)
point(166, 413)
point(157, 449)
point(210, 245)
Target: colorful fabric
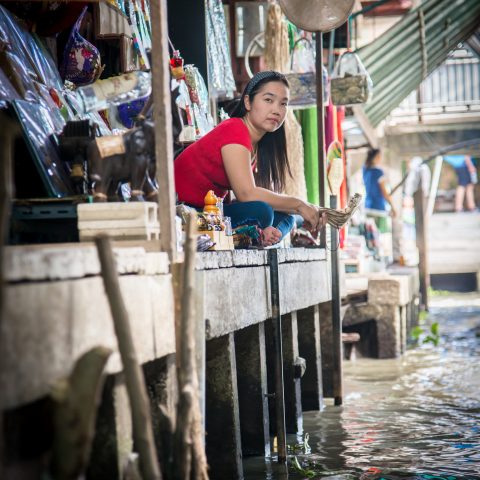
point(374, 198)
point(199, 168)
point(456, 161)
point(308, 120)
point(260, 214)
point(81, 61)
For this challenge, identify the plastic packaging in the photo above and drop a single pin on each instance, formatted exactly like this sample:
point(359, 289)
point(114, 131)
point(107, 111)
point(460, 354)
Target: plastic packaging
point(350, 83)
point(302, 79)
point(114, 91)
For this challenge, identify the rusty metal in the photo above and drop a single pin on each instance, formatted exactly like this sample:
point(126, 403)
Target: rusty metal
point(277, 331)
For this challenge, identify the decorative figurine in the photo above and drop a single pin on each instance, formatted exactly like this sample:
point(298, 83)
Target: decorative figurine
point(211, 203)
point(124, 158)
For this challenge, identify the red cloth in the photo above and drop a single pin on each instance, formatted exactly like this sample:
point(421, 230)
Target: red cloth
point(199, 168)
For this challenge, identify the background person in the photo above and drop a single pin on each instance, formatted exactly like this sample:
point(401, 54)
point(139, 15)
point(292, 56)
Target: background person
point(466, 174)
point(376, 193)
point(247, 154)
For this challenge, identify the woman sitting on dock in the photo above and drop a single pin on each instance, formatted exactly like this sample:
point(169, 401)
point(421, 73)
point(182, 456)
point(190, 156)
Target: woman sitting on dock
point(247, 154)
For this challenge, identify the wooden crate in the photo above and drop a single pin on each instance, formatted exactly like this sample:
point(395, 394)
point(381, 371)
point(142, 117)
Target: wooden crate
point(122, 221)
point(222, 241)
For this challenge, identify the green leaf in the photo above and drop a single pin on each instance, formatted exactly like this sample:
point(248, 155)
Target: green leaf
point(434, 329)
point(416, 332)
point(430, 339)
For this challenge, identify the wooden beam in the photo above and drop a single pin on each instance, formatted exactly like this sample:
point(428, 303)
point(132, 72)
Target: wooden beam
point(421, 230)
point(162, 115)
point(366, 126)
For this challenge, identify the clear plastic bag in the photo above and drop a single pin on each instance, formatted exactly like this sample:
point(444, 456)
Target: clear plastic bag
point(302, 79)
point(350, 84)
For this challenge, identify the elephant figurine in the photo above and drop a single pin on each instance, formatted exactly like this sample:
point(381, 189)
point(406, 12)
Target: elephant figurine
point(117, 159)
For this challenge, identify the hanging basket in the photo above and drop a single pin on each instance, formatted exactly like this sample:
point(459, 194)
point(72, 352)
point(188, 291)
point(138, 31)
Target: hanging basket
point(351, 84)
point(303, 86)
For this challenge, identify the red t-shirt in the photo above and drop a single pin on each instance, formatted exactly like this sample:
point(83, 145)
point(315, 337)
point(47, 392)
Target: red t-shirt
point(199, 168)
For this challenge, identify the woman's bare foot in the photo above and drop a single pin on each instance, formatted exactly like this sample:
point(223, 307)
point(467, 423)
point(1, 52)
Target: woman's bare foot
point(270, 236)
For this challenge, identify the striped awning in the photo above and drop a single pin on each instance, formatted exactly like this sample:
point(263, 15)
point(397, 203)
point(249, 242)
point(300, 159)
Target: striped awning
point(407, 53)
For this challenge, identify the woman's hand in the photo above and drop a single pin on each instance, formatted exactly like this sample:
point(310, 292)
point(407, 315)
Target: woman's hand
point(310, 216)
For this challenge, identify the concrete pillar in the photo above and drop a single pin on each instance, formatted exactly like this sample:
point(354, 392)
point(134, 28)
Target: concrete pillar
point(224, 450)
point(162, 388)
point(326, 345)
point(113, 442)
point(292, 394)
point(252, 388)
point(309, 348)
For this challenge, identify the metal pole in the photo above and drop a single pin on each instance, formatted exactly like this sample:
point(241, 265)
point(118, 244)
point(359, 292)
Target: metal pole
point(336, 317)
point(320, 128)
point(277, 329)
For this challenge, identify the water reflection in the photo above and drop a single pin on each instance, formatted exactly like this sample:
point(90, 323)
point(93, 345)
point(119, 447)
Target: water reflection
point(415, 417)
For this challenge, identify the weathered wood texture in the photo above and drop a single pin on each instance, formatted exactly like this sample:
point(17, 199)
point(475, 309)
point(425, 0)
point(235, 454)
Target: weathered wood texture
point(134, 379)
point(189, 452)
point(163, 127)
point(421, 229)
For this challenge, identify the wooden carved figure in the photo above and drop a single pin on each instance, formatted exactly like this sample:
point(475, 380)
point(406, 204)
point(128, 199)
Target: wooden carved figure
point(118, 159)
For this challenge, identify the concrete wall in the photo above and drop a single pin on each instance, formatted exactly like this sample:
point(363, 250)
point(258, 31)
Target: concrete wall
point(56, 308)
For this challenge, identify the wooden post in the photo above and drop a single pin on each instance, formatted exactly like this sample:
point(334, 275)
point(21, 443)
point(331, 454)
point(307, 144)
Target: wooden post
point(134, 379)
point(190, 461)
point(421, 240)
point(7, 134)
point(162, 115)
point(320, 130)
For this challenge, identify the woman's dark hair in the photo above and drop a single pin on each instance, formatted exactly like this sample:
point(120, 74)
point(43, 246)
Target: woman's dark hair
point(272, 159)
point(372, 153)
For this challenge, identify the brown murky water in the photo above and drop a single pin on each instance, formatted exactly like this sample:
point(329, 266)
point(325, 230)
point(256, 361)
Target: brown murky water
point(417, 417)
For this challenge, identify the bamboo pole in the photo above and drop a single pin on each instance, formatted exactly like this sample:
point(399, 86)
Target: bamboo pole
point(134, 379)
point(190, 461)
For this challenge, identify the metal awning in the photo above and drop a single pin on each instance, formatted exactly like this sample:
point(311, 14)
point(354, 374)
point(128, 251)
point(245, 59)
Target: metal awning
point(407, 53)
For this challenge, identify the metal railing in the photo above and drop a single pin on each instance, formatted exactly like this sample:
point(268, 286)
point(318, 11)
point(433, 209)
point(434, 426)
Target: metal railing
point(451, 90)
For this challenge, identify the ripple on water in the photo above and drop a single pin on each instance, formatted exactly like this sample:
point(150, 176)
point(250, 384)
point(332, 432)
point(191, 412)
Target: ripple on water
point(413, 417)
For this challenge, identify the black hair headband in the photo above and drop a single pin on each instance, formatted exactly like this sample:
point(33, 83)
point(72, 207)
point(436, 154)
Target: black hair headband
point(258, 77)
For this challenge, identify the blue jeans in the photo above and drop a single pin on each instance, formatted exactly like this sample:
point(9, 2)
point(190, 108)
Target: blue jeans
point(260, 214)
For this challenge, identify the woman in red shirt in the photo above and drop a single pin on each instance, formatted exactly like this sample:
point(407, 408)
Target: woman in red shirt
point(247, 154)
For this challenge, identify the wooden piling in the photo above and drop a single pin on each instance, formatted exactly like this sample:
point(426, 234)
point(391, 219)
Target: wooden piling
point(137, 393)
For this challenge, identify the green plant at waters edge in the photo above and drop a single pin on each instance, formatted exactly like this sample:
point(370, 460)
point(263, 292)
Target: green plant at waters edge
point(438, 293)
point(431, 336)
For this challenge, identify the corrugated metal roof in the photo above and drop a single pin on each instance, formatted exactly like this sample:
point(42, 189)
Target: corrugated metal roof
point(403, 56)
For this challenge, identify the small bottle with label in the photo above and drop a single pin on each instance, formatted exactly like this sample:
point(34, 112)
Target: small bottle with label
point(115, 91)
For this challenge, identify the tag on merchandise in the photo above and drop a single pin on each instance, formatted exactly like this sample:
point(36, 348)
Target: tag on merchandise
point(111, 145)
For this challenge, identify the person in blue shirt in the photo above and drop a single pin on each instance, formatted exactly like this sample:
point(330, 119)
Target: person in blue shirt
point(466, 176)
point(377, 195)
